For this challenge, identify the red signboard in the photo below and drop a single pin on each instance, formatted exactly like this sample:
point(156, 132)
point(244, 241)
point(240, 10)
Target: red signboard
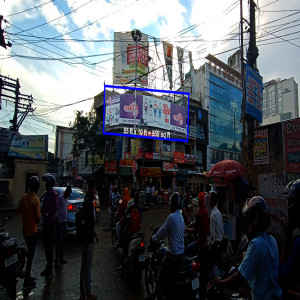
point(170, 167)
point(291, 134)
point(179, 157)
point(150, 172)
point(190, 159)
point(110, 167)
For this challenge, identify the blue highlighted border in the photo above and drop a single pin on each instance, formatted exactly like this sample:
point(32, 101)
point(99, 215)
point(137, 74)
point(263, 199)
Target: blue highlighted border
point(149, 90)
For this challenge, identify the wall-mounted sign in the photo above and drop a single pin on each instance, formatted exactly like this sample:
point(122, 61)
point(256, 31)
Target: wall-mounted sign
point(260, 147)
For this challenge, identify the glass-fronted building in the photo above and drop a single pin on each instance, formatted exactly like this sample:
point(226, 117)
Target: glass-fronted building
point(225, 138)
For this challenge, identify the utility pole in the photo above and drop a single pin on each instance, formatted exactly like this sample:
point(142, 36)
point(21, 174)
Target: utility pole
point(252, 54)
point(23, 102)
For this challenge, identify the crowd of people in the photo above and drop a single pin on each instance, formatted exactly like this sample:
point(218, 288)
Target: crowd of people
point(268, 272)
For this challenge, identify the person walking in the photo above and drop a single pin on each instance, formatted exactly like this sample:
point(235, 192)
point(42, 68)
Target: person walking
point(29, 207)
point(61, 225)
point(90, 235)
point(49, 210)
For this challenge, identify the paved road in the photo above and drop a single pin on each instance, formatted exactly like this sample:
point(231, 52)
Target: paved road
point(107, 281)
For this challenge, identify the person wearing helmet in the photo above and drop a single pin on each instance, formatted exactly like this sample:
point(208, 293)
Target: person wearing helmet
point(174, 229)
point(260, 266)
point(29, 207)
point(49, 209)
point(290, 255)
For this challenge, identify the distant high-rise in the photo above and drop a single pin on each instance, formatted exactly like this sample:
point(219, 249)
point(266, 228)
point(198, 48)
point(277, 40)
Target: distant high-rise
point(280, 101)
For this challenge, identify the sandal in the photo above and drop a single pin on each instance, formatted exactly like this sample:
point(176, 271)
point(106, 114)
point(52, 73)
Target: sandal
point(91, 297)
point(82, 297)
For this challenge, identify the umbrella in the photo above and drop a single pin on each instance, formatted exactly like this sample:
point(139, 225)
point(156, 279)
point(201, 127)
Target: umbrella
point(227, 169)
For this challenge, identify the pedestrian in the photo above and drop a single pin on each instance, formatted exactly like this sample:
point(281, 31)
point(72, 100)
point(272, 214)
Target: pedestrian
point(148, 192)
point(201, 227)
point(29, 207)
point(153, 195)
point(260, 266)
point(90, 235)
point(173, 228)
point(49, 210)
point(61, 226)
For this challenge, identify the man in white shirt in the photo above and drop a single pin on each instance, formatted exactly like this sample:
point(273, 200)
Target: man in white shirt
point(216, 226)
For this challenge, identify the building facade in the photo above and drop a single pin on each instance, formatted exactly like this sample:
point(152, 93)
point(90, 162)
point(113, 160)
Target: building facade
point(280, 101)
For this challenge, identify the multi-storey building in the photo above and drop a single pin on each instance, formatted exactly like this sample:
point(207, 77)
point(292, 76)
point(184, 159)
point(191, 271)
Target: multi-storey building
point(280, 101)
point(217, 87)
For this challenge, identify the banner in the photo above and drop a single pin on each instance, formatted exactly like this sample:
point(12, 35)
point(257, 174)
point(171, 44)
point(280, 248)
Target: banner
point(168, 53)
point(134, 147)
point(260, 147)
point(110, 167)
point(180, 62)
point(29, 146)
point(170, 167)
point(130, 59)
point(179, 157)
point(291, 134)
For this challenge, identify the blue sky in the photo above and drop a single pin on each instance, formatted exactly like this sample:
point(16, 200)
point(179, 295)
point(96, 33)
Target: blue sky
point(58, 69)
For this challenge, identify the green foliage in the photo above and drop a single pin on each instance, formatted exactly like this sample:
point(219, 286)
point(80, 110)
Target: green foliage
point(87, 135)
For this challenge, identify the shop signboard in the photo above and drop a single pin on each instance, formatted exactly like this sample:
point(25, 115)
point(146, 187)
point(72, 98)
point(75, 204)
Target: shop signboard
point(291, 133)
point(110, 167)
point(29, 146)
point(150, 171)
point(260, 147)
point(179, 157)
point(170, 167)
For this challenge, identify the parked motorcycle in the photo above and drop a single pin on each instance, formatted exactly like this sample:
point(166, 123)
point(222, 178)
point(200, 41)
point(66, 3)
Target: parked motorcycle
point(184, 283)
point(134, 258)
point(12, 260)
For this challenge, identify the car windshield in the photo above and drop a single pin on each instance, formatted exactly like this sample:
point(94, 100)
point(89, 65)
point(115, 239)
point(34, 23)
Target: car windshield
point(76, 195)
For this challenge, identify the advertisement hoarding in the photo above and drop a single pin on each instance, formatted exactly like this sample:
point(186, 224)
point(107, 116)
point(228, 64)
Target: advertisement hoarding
point(260, 147)
point(29, 146)
point(130, 59)
point(254, 93)
point(146, 116)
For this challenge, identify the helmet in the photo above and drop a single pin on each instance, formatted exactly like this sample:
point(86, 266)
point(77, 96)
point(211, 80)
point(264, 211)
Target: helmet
point(34, 184)
point(256, 214)
point(50, 181)
point(291, 193)
point(175, 201)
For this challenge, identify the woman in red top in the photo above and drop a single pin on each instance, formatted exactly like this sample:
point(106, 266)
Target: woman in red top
point(201, 227)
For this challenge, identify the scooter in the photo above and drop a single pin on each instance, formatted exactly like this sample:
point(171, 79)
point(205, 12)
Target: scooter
point(12, 260)
point(184, 282)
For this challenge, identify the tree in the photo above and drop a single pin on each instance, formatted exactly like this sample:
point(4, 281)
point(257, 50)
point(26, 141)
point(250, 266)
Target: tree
point(87, 136)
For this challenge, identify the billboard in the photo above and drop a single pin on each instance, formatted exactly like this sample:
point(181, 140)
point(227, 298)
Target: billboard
point(145, 116)
point(130, 59)
point(261, 148)
point(291, 133)
point(254, 94)
point(29, 146)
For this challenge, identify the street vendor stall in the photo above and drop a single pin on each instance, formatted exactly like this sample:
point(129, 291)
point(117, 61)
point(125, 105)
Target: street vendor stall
point(225, 179)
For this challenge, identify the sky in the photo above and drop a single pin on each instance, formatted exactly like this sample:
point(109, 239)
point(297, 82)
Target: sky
point(62, 50)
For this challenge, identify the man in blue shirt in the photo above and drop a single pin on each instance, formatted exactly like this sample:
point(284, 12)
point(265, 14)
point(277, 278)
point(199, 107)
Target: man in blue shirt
point(174, 229)
point(261, 263)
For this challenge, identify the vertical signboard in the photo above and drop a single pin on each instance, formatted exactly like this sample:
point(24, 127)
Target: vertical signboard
point(291, 134)
point(254, 95)
point(260, 147)
point(168, 53)
point(130, 59)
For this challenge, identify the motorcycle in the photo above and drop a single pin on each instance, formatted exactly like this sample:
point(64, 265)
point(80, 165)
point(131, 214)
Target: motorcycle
point(184, 282)
point(12, 260)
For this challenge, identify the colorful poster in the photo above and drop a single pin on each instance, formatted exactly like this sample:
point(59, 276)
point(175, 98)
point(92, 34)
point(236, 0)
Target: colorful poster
point(168, 53)
point(112, 110)
point(291, 138)
point(29, 146)
point(260, 147)
point(129, 103)
point(130, 59)
point(156, 112)
point(178, 118)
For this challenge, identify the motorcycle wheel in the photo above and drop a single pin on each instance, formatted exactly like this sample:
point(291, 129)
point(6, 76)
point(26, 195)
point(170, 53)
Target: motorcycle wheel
point(150, 280)
point(114, 239)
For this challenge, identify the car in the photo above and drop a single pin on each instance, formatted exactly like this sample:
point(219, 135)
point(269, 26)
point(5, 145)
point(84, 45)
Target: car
point(75, 200)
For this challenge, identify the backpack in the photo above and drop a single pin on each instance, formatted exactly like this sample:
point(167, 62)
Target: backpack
point(135, 221)
point(79, 222)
